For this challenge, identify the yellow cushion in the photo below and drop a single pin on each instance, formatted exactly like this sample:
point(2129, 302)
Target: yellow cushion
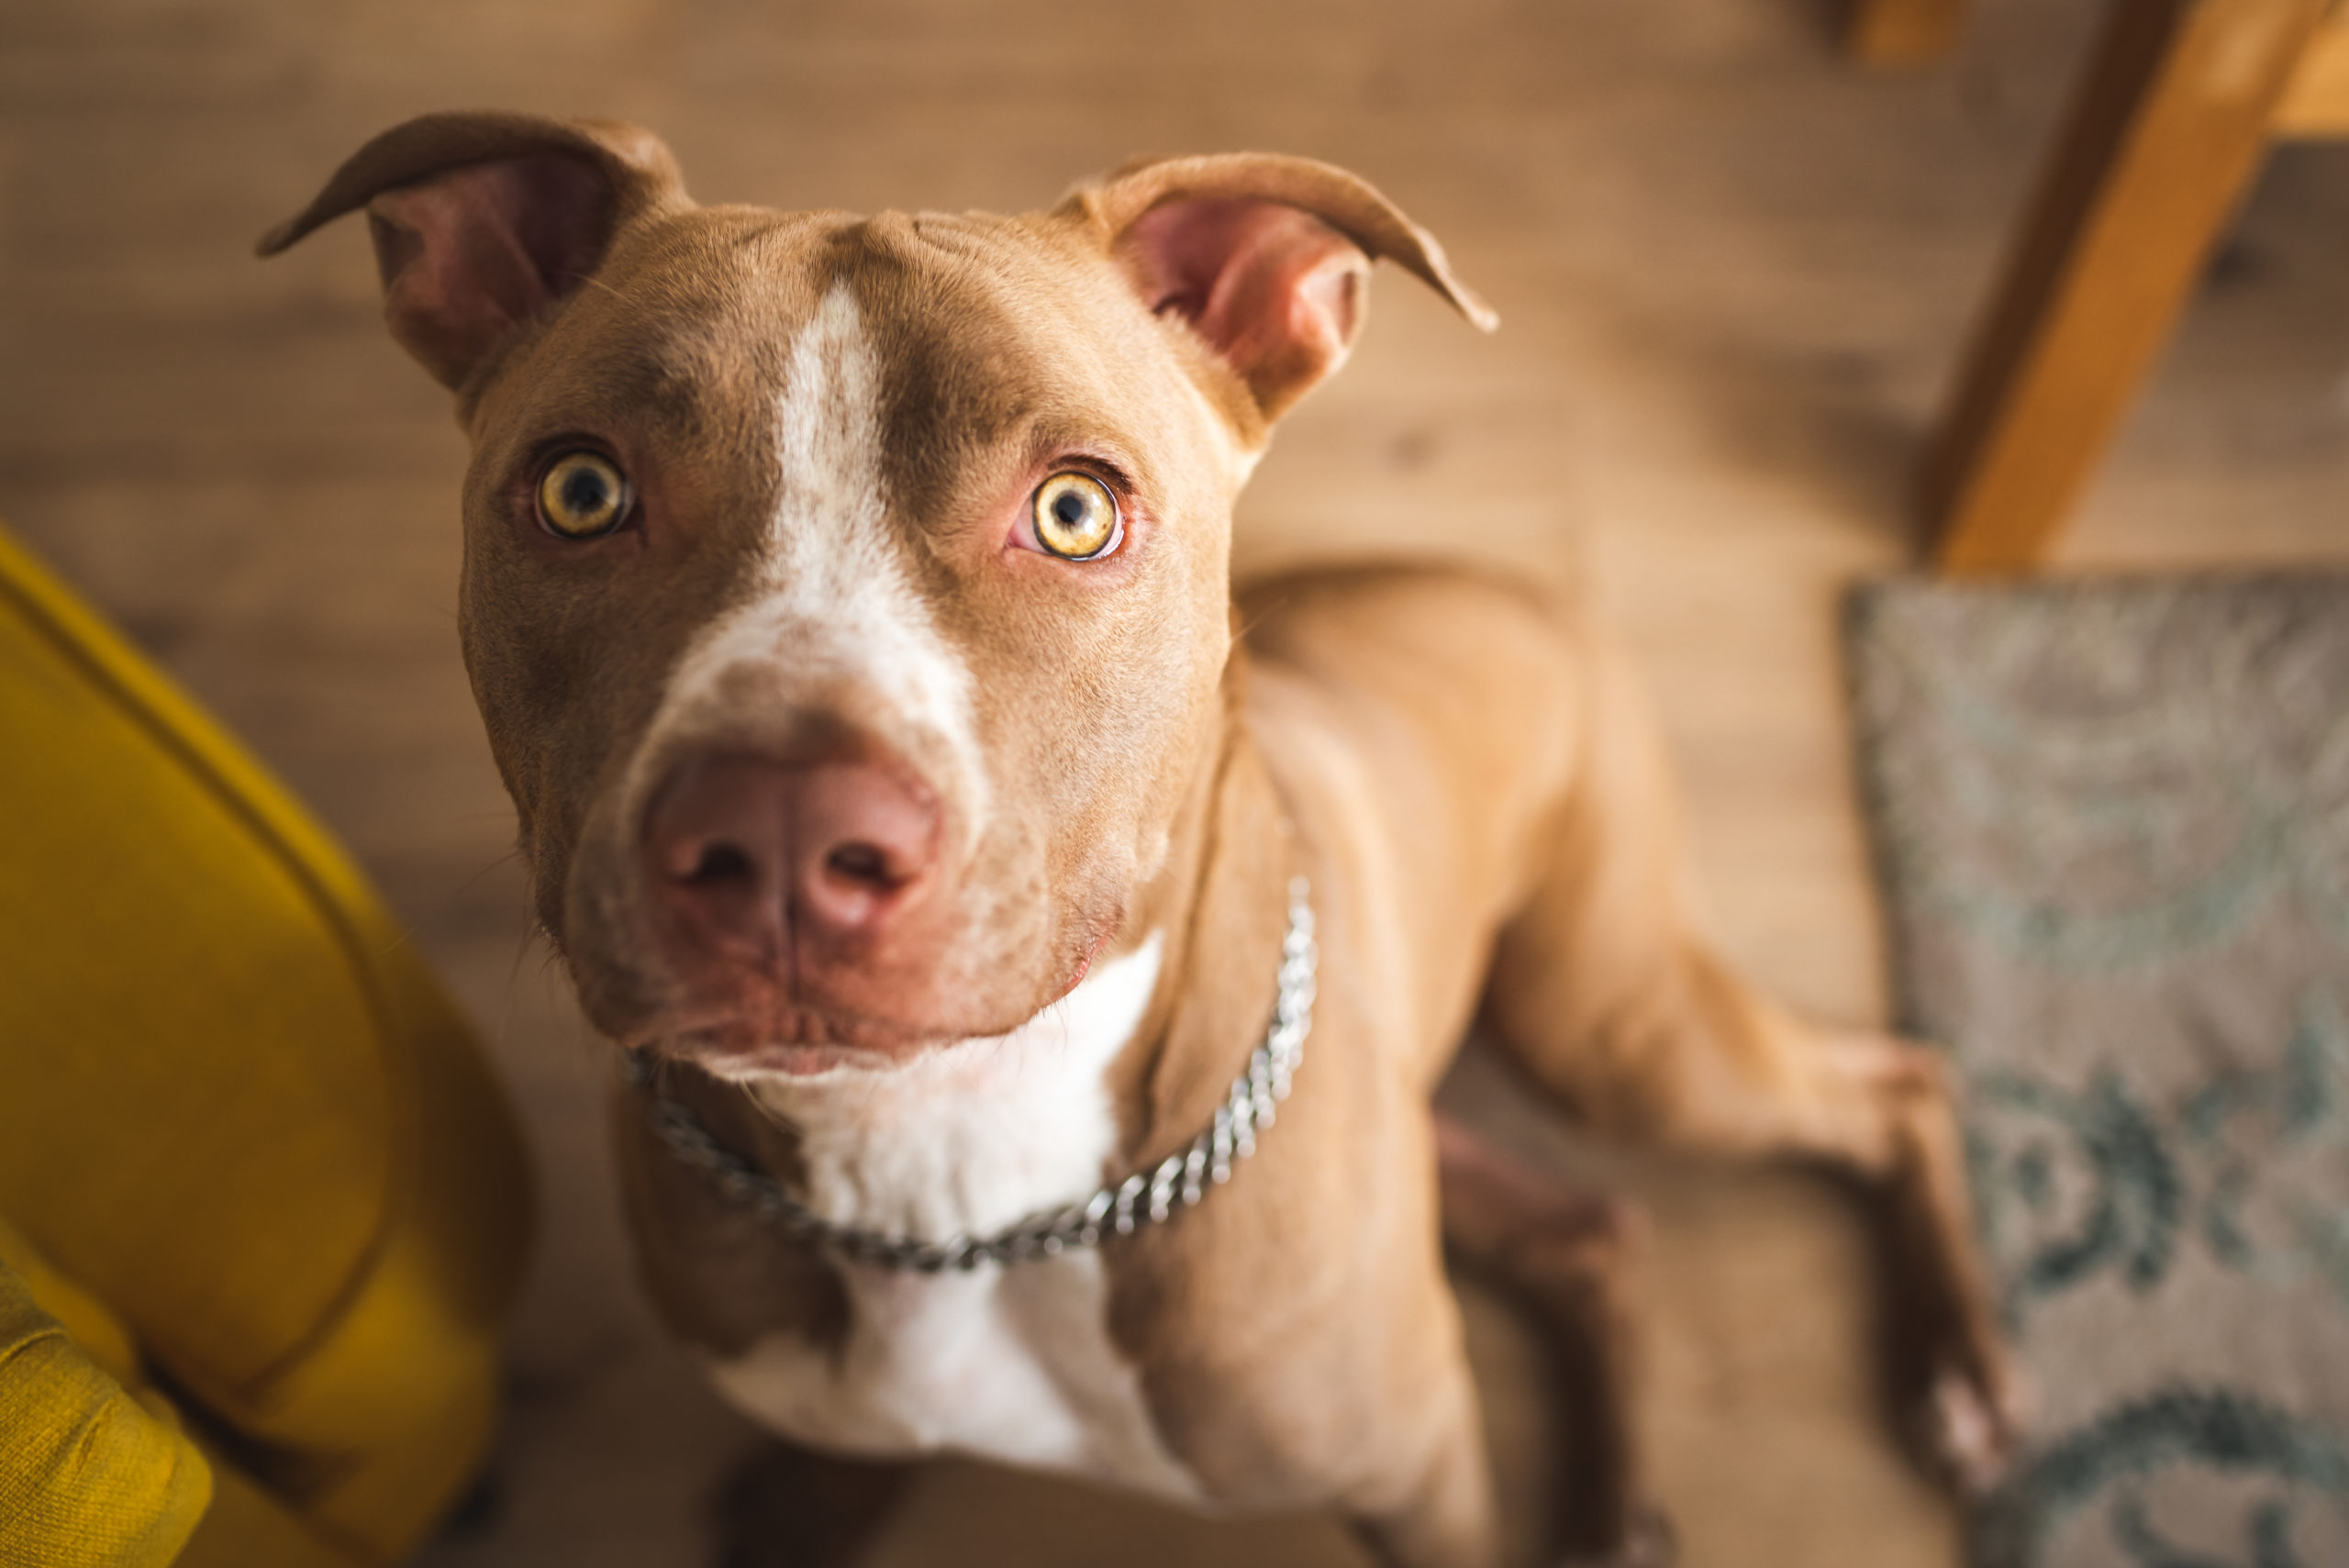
point(240, 1114)
point(90, 1476)
point(248, 1527)
point(85, 1320)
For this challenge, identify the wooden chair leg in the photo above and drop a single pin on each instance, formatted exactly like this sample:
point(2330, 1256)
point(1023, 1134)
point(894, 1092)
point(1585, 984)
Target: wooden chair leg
point(1902, 32)
point(2160, 146)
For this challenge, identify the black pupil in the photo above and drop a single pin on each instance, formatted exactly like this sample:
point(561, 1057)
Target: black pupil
point(1069, 508)
point(585, 493)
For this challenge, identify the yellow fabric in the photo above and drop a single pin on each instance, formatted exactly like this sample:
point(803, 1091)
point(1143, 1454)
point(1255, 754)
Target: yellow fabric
point(141, 1495)
point(87, 1321)
point(89, 1476)
point(240, 1115)
point(249, 1528)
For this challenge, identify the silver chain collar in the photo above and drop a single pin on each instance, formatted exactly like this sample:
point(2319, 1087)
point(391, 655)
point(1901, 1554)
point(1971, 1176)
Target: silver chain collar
point(1146, 1197)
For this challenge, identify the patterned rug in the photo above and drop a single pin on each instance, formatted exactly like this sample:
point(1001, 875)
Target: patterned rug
point(2112, 823)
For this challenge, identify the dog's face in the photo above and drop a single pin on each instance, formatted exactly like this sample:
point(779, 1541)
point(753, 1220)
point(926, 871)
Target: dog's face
point(847, 597)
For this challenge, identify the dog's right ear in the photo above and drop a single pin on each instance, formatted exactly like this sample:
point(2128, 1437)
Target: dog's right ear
point(483, 221)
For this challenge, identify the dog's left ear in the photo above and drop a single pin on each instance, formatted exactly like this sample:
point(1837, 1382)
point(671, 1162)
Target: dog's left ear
point(1267, 258)
point(485, 222)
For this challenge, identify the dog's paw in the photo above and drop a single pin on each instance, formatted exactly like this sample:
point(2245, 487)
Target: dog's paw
point(1971, 1426)
point(1650, 1543)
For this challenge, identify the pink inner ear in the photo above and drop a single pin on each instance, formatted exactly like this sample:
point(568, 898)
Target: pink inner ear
point(469, 257)
point(1276, 291)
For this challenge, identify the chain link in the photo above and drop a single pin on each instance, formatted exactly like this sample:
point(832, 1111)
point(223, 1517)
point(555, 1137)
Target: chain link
point(1145, 1197)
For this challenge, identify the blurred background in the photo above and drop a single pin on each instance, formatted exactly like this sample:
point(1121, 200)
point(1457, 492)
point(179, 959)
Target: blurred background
point(1736, 269)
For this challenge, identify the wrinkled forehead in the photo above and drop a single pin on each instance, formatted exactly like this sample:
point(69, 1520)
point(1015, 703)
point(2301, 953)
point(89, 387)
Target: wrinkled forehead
point(960, 335)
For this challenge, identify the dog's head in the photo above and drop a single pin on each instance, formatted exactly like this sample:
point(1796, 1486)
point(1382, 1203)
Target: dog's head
point(847, 596)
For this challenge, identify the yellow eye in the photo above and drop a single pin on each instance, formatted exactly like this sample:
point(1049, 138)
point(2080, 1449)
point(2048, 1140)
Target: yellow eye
point(1077, 518)
point(582, 496)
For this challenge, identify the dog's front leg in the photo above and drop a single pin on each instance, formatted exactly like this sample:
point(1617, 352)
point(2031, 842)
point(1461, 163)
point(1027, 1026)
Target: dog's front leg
point(1569, 1255)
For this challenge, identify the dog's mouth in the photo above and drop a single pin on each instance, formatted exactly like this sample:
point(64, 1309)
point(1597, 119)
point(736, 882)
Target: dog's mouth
point(792, 1040)
point(796, 1040)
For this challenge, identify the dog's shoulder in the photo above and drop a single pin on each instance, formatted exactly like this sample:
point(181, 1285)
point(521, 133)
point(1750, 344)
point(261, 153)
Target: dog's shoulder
point(1453, 651)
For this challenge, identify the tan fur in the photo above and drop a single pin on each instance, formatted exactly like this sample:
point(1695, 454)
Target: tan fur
point(1461, 770)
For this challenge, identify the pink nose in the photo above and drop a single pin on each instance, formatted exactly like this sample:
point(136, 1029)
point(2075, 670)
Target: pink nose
point(747, 852)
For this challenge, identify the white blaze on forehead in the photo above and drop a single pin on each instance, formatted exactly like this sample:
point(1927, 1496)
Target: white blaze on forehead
point(828, 525)
point(835, 607)
point(831, 563)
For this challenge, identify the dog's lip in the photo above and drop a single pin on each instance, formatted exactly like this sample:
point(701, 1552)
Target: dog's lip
point(774, 1060)
point(800, 1039)
point(790, 1038)
point(737, 1035)
point(1084, 967)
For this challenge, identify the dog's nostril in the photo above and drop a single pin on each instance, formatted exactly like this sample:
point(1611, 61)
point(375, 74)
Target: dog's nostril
point(721, 863)
point(861, 862)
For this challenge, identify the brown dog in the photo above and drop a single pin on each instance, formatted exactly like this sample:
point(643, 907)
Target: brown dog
point(848, 601)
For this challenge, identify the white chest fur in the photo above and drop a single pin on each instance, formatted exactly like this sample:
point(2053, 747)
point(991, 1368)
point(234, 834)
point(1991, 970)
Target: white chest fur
point(1012, 1362)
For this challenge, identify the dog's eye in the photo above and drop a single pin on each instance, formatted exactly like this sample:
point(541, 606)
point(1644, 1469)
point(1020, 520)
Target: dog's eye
point(1077, 518)
point(582, 496)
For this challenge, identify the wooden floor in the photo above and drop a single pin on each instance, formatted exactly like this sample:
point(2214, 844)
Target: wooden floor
point(1735, 277)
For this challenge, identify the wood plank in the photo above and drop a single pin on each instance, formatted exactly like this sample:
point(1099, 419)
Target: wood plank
point(1899, 33)
point(2160, 147)
point(2316, 102)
